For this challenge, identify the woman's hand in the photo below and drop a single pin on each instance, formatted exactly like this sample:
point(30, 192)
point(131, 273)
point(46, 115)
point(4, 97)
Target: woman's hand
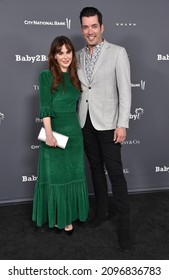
point(51, 141)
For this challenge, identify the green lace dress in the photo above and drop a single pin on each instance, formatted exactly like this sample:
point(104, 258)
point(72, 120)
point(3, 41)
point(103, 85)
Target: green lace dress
point(60, 195)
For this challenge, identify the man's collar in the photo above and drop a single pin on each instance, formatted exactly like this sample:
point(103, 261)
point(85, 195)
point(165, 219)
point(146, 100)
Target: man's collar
point(95, 47)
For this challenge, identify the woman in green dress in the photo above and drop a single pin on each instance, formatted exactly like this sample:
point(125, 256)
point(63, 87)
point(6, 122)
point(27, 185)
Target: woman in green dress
point(61, 195)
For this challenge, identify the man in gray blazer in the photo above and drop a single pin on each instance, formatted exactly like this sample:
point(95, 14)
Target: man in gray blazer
point(104, 111)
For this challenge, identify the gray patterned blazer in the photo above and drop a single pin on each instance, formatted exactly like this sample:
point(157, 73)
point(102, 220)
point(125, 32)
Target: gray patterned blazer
point(108, 97)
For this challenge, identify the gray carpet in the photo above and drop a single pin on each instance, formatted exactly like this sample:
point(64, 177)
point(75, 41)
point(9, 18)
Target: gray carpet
point(149, 230)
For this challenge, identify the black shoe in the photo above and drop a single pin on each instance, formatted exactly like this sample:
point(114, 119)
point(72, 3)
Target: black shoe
point(98, 220)
point(57, 230)
point(79, 223)
point(69, 232)
point(125, 240)
point(69, 229)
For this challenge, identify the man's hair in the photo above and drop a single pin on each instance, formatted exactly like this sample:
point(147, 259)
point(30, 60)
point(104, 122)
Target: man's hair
point(90, 12)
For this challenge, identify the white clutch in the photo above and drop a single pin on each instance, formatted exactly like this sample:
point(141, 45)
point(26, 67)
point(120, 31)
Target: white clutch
point(61, 139)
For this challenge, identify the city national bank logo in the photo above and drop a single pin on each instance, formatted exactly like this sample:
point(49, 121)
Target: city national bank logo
point(138, 114)
point(2, 117)
point(31, 178)
point(141, 85)
point(163, 57)
point(161, 169)
point(66, 23)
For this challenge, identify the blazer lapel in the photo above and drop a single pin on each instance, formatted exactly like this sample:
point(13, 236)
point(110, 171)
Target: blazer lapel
point(83, 76)
point(100, 59)
point(99, 62)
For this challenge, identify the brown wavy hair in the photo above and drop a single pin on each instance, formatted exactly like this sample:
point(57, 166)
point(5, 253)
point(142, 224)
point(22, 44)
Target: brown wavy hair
point(54, 67)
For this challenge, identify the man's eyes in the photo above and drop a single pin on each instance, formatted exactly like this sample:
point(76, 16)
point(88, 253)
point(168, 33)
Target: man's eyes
point(87, 27)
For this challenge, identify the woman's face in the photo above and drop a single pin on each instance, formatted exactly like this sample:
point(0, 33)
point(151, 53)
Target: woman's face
point(64, 58)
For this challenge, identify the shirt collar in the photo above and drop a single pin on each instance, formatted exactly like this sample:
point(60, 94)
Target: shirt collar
point(98, 46)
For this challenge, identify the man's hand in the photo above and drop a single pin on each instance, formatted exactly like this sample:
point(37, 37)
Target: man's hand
point(119, 135)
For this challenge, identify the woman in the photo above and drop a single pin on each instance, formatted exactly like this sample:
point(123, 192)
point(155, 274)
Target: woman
point(61, 192)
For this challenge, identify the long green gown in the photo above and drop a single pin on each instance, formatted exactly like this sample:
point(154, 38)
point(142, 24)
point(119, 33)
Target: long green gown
point(60, 195)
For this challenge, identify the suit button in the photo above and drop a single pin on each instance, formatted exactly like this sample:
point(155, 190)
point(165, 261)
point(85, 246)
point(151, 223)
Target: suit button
point(86, 100)
point(89, 87)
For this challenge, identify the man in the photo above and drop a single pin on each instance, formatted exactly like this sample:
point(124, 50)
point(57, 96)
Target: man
point(104, 110)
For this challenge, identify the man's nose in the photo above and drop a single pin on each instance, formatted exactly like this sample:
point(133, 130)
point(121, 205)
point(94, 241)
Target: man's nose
point(90, 31)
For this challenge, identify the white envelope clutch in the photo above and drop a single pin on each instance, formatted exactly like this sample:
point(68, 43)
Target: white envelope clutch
point(61, 139)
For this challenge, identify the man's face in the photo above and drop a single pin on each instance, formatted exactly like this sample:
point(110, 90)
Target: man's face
point(92, 31)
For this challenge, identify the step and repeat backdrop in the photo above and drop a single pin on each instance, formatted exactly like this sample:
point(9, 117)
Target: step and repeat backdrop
point(27, 29)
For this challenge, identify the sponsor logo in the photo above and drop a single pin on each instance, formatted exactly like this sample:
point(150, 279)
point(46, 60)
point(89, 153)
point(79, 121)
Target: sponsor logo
point(163, 57)
point(32, 59)
point(125, 24)
point(131, 142)
point(35, 87)
point(66, 23)
point(161, 169)
point(34, 147)
point(31, 178)
point(2, 117)
point(138, 113)
point(38, 120)
point(141, 85)
point(125, 171)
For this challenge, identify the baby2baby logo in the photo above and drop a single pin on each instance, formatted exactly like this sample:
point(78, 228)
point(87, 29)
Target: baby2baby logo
point(29, 58)
point(138, 114)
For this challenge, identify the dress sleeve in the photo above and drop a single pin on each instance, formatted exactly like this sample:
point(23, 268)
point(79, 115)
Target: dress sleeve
point(45, 82)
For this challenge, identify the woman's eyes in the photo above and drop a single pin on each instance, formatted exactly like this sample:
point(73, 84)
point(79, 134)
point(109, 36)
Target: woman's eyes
point(61, 53)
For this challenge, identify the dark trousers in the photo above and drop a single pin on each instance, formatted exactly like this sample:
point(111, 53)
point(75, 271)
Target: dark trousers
point(103, 153)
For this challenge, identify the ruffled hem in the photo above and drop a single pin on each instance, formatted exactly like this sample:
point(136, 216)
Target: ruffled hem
point(60, 204)
point(46, 112)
